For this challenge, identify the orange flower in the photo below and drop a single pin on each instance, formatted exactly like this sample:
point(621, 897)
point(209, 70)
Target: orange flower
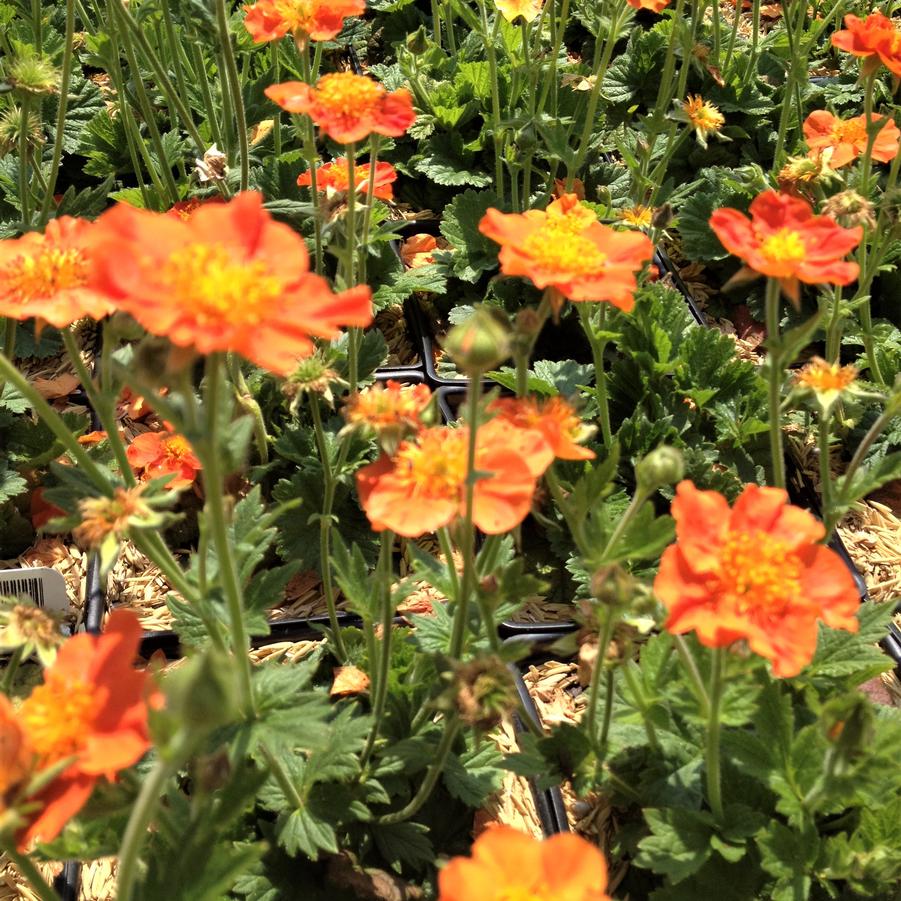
point(755, 573)
point(316, 20)
point(228, 278)
point(390, 410)
point(157, 454)
point(875, 38)
point(104, 516)
point(554, 418)
point(417, 250)
point(784, 239)
point(846, 139)
point(47, 275)
point(332, 179)
point(567, 249)
point(528, 10)
point(423, 486)
point(655, 6)
point(507, 864)
point(347, 107)
point(638, 216)
point(92, 707)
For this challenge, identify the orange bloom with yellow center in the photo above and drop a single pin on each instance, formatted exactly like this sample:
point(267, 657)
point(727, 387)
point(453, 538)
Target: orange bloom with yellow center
point(92, 710)
point(228, 278)
point(846, 139)
point(184, 209)
point(47, 275)
point(102, 516)
point(818, 375)
point(157, 454)
point(315, 20)
point(638, 216)
point(655, 6)
point(333, 178)
point(527, 10)
point(755, 573)
point(704, 117)
point(422, 487)
point(554, 418)
point(347, 107)
point(784, 239)
point(16, 754)
point(876, 39)
point(391, 406)
point(567, 249)
point(508, 865)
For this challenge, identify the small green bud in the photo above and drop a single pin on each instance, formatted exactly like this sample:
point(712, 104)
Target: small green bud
point(662, 466)
point(481, 342)
point(484, 693)
point(526, 139)
point(418, 41)
point(202, 694)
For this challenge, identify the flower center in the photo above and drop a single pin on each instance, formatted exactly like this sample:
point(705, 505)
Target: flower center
point(703, 115)
point(823, 376)
point(346, 94)
point(557, 246)
point(785, 246)
point(436, 465)
point(177, 448)
point(296, 14)
point(56, 716)
point(851, 132)
point(43, 274)
point(759, 572)
point(215, 287)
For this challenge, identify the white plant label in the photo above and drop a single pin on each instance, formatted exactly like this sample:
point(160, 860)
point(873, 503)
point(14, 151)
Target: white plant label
point(44, 586)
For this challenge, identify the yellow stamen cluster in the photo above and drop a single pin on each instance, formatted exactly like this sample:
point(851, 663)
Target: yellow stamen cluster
point(102, 516)
point(214, 286)
point(759, 572)
point(435, 466)
point(43, 274)
point(785, 246)
point(54, 716)
point(346, 94)
point(820, 376)
point(704, 117)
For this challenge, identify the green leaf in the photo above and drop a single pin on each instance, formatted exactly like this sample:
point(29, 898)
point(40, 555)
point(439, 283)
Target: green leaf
point(306, 831)
point(679, 844)
point(789, 855)
point(398, 286)
point(11, 483)
point(474, 775)
point(473, 253)
point(866, 480)
point(404, 843)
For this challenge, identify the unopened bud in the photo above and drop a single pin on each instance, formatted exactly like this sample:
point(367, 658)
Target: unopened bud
point(662, 466)
point(481, 342)
point(484, 693)
point(418, 41)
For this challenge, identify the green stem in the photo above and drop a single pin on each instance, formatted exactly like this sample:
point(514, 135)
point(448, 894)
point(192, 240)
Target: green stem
point(468, 545)
point(65, 79)
point(249, 405)
point(600, 377)
point(825, 471)
point(638, 696)
point(834, 329)
point(100, 406)
point(694, 674)
point(202, 78)
point(449, 28)
point(312, 159)
point(12, 667)
point(714, 786)
point(234, 86)
point(52, 420)
point(605, 633)
point(380, 682)
point(447, 549)
point(635, 504)
point(214, 489)
point(37, 20)
point(142, 814)
point(24, 186)
point(875, 430)
point(276, 78)
point(774, 374)
point(32, 874)
point(496, 132)
point(367, 210)
point(325, 529)
point(594, 97)
point(432, 775)
point(797, 60)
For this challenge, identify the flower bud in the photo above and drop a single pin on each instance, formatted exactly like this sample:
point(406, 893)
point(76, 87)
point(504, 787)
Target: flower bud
point(484, 693)
point(418, 41)
point(481, 342)
point(32, 76)
point(662, 466)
